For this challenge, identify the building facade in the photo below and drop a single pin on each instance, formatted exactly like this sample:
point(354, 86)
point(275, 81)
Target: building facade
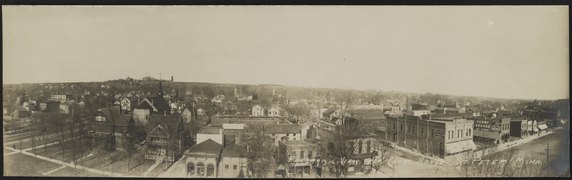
point(440, 136)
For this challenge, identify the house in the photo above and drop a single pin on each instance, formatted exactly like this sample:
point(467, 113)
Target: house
point(65, 107)
point(285, 132)
point(155, 104)
point(42, 105)
point(149, 106)
point(257, 110)
point(187, 115)
point(213, 133)
point(60, 97)
point(125, 104)
point(108, 128)
point(202, 159)
point(201, 112)
point(233, 162)
point(274, 111)
point(166, 138)
point(332, 113)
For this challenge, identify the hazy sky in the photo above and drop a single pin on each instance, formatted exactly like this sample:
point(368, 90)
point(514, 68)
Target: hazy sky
point(504, 51)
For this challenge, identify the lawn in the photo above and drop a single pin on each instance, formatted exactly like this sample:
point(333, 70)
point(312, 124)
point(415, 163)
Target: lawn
point(24, 165)
point(55, 151)
point(102, 161)
point(69, 171)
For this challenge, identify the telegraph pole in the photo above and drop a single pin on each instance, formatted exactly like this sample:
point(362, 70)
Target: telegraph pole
point(547, 155)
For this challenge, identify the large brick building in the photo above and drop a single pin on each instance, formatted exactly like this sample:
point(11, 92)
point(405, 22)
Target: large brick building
point(439, 136)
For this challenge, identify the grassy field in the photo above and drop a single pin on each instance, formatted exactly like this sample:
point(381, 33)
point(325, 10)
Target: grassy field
point(68, 171)
point(23, 165)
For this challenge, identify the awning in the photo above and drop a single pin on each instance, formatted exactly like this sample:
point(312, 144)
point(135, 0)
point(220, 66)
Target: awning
point(535, 129)
point(542, 126)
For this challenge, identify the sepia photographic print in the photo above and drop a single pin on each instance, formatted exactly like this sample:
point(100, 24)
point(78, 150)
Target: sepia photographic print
point(285, 91)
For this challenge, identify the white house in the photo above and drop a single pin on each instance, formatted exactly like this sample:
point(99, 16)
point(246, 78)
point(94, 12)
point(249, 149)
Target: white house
point(257, 110)
point(274, 111)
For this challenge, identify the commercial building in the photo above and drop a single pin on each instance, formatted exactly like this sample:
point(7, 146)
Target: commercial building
point(438, 136)
point(492, 129)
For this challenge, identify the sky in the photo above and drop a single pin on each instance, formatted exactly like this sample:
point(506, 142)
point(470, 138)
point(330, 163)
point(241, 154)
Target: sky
point(491, 51)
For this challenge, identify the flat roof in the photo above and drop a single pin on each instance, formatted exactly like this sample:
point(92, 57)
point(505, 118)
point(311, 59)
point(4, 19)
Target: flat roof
point(210, 130)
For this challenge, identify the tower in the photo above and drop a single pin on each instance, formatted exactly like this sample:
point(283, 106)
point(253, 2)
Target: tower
point(160, 93)
point(172, 79)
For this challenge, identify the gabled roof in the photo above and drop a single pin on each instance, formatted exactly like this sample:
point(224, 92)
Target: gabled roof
point(171, 123)
point(282, 129)
point(233, 151)
point(113, 115)
point(208, 147)
point(154, 103)
point(330, 111)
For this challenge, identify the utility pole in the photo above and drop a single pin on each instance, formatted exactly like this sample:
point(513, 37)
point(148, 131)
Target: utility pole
point(547, 155)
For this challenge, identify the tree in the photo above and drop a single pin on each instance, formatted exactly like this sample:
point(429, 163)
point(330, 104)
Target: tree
point(260, 151)
point(381, 159)
point(338, 151)
point(281, 154)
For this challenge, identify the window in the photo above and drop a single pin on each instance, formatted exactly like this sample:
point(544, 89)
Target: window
point(301, 154)
point(469, 132)
point(461, 133)
point(294, 139)
point(401, 127)
point(210, 170)
point(309, 154)
point(422, 131)
point(368, 144)
point(190, 169)
point(200, 169)
point(294, 135)
point(359, 147)
point(234, 167)
point(287, 134)
point(273, 134)
point(432, 133)
point(226, 166)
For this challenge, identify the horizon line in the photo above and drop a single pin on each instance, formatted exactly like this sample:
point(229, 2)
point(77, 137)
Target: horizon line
point(300, 86)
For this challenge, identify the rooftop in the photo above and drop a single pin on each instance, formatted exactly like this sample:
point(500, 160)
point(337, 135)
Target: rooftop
point(209, 130)
point(207, 147)
point(233, 151)
point(282, 128)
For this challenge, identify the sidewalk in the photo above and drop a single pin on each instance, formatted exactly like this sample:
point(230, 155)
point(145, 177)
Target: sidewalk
point(406, 150)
